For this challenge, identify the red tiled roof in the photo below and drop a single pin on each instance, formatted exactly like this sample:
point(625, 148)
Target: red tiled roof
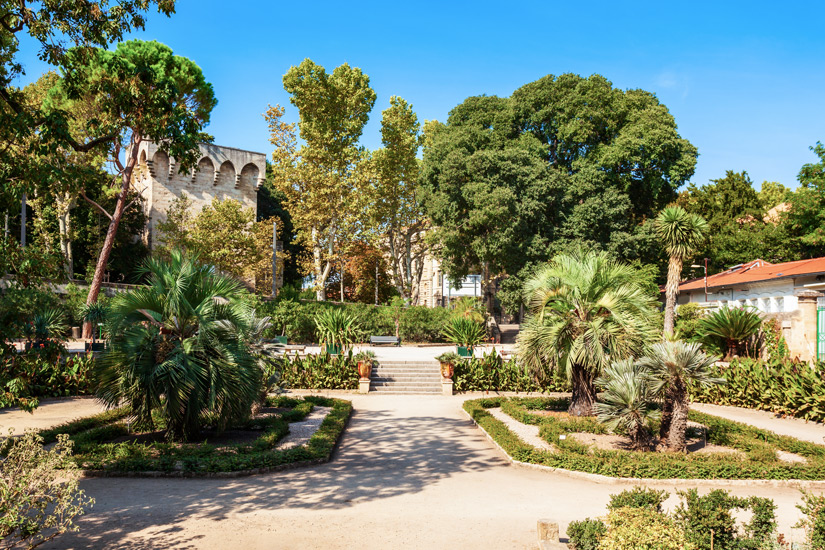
point(757, 270)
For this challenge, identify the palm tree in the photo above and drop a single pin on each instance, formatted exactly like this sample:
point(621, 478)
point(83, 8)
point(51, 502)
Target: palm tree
point(175, 348)
point(586, 310)
point(681, 234)
point(733, 325)
point(675, 363)
point(628, 401)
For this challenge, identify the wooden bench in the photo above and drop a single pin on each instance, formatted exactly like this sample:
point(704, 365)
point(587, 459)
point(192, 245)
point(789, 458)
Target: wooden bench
point(377, 340)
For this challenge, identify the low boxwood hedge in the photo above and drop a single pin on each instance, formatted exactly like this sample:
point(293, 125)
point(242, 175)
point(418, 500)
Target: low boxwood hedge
point(97, 455)
point(760, 446)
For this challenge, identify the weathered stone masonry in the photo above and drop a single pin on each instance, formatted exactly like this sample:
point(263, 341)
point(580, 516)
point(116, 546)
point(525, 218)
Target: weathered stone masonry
point(222, 172)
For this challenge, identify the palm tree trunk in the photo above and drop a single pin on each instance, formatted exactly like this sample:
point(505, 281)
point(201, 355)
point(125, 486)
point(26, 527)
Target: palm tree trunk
point(667, 416)
point(639, 436)
point(674, 273)
point(584, 392)
point(678, 426)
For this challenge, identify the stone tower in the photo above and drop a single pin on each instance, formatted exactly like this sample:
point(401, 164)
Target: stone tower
point(222, 172)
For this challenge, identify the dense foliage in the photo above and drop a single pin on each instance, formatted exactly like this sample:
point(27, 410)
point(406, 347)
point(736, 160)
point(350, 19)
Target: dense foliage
point(492, 373)
point(320, 372)
point(757, 458)
point(780, 386)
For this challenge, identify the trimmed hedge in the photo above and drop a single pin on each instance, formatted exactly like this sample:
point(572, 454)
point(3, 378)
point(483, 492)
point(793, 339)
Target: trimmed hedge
point(758, 445)
point(784, 387)
point(95, 454)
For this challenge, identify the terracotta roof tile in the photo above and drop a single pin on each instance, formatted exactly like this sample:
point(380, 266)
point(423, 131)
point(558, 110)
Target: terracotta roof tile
point(757, 270)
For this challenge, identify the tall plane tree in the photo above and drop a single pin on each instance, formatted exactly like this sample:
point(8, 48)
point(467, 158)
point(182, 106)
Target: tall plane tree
point(321, 177)
point(396, 212)
point(142, 92)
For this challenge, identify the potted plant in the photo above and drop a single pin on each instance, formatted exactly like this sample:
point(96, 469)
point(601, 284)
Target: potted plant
point(465, 333)
point(45, 326)
point(366, 360)
point(448, 361)
point(336, 329)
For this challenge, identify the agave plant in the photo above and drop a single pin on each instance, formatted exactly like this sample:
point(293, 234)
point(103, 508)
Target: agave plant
point(181, 346)
point(733, 325)
point(47, 324)
point(464, 331)
point(628, 401)
point(336, 328)
point(676, 364)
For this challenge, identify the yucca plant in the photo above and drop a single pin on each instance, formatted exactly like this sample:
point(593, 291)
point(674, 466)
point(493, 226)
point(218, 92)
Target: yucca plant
point(733, 325)
point(676, 365)
point(464, 331)
point(628, 401)
point(48, 324)
point(336, 328)
point(181, 346)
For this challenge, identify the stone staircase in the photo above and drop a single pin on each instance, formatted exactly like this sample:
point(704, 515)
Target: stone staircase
point(406, 377)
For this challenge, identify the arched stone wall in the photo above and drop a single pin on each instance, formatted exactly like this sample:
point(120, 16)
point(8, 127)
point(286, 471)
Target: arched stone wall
point(226, 176)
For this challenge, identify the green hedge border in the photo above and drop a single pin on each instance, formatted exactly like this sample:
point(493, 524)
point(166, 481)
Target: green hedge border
point(261, 459)
point(651, 466)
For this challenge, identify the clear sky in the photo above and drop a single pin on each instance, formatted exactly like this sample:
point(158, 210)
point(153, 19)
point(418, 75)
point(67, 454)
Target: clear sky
point(744, 80)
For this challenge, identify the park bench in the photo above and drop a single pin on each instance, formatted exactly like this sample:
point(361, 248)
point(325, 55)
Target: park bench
point(376, 340)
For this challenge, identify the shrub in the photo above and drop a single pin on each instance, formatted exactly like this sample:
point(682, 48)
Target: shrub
point(17, 305)
point(638, 497)
point(491, 373)
point(627, 403)
point(464, 331)
point(642, 529)
point(321, 371)
point(687, 321)
point(423, 324)
point(784, 387)
point(711, 515)
point(336, 327)
point(814, 521)
point(586, 534)
point(39, 496)
point(734, 326)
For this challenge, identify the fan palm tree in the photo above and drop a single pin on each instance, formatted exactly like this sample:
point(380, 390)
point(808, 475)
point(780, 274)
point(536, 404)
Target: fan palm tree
point(674, 363)
point(181, 346)
point(681, 234)
point(733, 325)
point(628, 401)
point(586, 310)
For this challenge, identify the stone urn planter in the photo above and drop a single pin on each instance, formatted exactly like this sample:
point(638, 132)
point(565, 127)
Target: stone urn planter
point(448, 362)
point(365, 360)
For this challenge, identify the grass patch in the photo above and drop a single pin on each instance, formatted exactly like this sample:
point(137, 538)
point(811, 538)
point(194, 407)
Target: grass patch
point(760, 446)
point(97, 450)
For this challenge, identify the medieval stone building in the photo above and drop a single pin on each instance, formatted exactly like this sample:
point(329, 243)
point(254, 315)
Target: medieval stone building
point(222, 172)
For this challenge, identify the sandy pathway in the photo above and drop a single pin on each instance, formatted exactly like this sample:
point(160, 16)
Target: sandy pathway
point(411, 472)
point(51, 412)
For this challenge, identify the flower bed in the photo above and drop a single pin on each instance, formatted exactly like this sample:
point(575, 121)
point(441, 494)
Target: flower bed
point(100, 449)
point(759, 447)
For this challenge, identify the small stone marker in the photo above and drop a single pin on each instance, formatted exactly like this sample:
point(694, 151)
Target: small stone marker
point(548, 530)
point(446, 386)
point(364, 385)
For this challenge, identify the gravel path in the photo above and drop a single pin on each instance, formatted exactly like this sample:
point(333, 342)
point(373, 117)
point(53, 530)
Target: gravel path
point(526, 432)
point(300, 432)
point(410, 472)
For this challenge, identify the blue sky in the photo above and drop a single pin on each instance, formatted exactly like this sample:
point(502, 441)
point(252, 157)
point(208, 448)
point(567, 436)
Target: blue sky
point(744, 80)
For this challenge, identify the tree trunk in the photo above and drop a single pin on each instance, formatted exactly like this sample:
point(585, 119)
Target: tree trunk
point(678, 426)
point(639, 436)
point(341, 282)
point(667, 416)
point(64, 223)
point(321, 274)
point(674, 273)
point(109, 242)
point(584, 392)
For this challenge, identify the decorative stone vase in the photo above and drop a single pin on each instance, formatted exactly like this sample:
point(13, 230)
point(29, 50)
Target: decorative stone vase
point(364, 369)
point(447, 370)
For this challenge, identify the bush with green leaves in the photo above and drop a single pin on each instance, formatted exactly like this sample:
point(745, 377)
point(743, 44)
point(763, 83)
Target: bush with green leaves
point(784, 387)
point(813, 523)
point(39, 494)
point(688, 317)
point(586, 534)
point(464, 331)
point(17, 305)
point(336, 328)
point(638, 497)
point(492, 373)
point(320, 372)
point(711, 515)
point(642, 529)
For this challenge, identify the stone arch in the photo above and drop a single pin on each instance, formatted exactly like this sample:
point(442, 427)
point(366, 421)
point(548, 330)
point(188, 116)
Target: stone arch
point(205, 174)
point(249, 176)
point(160, 165)
point(226, 176)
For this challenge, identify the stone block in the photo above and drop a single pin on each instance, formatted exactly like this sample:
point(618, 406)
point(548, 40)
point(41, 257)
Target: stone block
point(548, 530)
point(446, 387)
point(363, 385)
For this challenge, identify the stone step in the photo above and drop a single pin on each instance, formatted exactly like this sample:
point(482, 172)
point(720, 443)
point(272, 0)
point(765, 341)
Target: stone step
point(386, 372)
point(432, 379)
point(411, 391)
point(429, 384)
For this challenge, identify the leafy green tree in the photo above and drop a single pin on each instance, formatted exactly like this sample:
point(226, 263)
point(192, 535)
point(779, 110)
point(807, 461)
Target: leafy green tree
point(223, 234)
point(322, 178)
point(675, 364)
point(565, 162)
point(806, 218)
point(142, 92)
point(181, 346)
point(680, 233)
point(272, 204)
point(772, 194)
point(396, 214)
point(586, 310)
